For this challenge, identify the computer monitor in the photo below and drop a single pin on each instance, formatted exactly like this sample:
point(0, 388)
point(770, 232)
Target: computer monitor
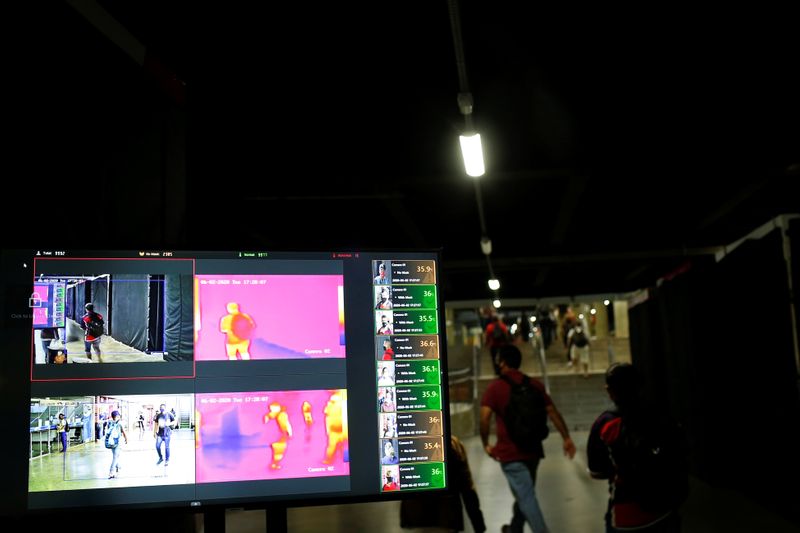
point(200, 379)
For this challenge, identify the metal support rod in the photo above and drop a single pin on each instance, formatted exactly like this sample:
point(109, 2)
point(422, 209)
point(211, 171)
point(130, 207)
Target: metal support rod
point(783, 226)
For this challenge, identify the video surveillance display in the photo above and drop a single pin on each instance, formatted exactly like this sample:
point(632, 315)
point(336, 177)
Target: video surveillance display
point(210, 378)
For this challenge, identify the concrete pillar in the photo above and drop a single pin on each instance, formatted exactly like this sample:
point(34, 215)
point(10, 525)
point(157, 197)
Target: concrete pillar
point(601, 320)
point(621, 319)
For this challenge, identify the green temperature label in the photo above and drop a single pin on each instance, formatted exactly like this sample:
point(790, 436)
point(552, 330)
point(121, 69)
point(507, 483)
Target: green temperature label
point(417, 322)
point(419, 397)
point(413, 296)
point(424, 476)
point(425, 372)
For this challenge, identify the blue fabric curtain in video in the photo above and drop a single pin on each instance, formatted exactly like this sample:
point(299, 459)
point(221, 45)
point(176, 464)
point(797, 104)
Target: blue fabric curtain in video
point(129, 303)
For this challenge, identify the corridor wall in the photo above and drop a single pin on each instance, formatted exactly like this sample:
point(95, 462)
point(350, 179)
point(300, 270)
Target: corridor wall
point(715, 347)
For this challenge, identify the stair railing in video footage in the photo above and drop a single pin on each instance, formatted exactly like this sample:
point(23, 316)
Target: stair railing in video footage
point(463, 386)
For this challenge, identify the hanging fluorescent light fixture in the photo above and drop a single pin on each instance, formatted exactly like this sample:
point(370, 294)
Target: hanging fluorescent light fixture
point(473, 154)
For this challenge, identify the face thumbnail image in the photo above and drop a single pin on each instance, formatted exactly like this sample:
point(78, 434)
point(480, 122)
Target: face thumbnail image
point(386, 403)
point(387, 425)
point(112, 318)
point(390, 478)
point(384, 351)
point(389, 452)
point(382, 272)
point(92, 442)
point(242, 317)
point(272, 435)
point(383, 321)
point(383, 297)
point(385, 373)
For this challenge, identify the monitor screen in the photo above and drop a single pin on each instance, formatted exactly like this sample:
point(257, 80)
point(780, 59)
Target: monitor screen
point(176, 378)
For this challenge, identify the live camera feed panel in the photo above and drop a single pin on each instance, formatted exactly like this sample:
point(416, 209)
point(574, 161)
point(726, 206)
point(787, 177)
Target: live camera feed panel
point(285, 312)
point(96, 318)
point(83, 446)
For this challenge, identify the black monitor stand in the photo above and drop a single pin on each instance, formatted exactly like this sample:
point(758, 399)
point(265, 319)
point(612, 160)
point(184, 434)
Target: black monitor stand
point(214, 520)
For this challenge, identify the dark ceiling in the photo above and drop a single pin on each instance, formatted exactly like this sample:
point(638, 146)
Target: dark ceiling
point(617, 145)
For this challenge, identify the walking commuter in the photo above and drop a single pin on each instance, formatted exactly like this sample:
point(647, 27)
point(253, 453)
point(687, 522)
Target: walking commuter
point(115, 430)
point(642, 454)
point(519, 461)
point(163, 423)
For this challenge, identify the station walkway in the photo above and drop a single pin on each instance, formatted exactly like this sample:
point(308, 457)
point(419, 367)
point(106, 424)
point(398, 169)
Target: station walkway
point(571, 502)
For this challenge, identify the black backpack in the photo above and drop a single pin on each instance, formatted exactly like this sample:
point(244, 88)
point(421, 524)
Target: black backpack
point(579, 339)
point(499, 334)
point(651, 460)
point(95, 325)
point(526, 415)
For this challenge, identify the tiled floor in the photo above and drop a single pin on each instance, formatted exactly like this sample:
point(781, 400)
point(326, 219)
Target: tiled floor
point(85, 466)
point(570, 500)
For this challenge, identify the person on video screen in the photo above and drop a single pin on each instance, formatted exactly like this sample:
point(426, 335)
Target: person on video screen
point(385, 301)
point(387, 400)
point(391, 482)
point(388, 352)
point(62, 430)
point(238, 328)
point(382, 278)
point(389, 454)
point(334, 427)
point(277, 412)
point(386, 375)
point(388, 430)
point(163, 423)
point(92, 325)
point(47, 336)
point(115, 431)
point(385, 327)
point(308, 420)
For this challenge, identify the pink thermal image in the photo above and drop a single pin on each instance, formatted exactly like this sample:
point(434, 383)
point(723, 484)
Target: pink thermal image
point(294, 316)
point(238, 439)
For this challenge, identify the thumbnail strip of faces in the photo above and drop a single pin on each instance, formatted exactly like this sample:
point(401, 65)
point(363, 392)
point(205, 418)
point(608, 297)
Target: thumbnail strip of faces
point(94, 442)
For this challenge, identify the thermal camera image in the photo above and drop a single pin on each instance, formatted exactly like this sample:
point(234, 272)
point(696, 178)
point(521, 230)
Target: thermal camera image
point(271, 435)
point(258, 317)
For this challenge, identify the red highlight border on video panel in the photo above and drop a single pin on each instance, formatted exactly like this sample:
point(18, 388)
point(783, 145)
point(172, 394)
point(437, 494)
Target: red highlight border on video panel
point(33, 346)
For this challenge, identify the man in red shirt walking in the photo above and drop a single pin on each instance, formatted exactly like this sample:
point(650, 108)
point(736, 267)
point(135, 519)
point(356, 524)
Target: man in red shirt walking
point(92, 325)
point(518, 466)
point(497, 336)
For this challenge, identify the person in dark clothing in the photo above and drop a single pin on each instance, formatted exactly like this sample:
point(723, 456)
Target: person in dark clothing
point(162, 431)
point(446, 511)
point(62, 428)
point(92, 325)
point(611, 454)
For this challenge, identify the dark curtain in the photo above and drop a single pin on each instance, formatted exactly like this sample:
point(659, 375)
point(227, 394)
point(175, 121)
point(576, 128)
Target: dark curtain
point(715, 346)
point(129, 301)
point(155, 337)
point(70, 303)
point(80, 300)
point(178, 332)
point(99, 292)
